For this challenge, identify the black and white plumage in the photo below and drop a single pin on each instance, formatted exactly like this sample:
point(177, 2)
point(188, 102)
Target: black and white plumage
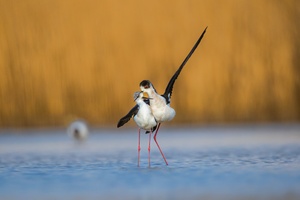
point(141, 114)
point(160, 104)
point(143, 117)
point(146, 85)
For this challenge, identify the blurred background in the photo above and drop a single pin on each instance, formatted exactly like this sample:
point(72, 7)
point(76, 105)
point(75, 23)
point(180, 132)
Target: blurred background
point(62, 60)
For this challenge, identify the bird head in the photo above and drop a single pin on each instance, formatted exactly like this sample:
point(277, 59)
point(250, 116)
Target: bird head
point(136, 95)
point(146, 86)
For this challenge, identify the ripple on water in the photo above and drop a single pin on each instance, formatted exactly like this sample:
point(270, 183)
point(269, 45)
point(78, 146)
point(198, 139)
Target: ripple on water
point(95, 170)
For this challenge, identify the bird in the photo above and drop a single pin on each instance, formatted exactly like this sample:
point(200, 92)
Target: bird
point(78, 130)
point(160, 104)
point(143, 117)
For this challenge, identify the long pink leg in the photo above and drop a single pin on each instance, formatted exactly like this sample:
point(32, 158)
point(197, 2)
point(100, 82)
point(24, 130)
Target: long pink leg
point(158, 145)
point(149, 147)
point(139, 146)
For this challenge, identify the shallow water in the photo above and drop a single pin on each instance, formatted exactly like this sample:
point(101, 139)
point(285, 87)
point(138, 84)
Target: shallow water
point(228, 162)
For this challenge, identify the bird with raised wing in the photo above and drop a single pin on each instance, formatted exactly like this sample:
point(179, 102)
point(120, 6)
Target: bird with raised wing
point(160, 104)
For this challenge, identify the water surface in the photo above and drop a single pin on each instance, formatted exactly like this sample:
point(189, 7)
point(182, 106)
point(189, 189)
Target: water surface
point(225, 162)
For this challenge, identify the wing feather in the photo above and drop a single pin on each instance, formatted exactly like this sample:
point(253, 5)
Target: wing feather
point(129, 115)
point(168, 92)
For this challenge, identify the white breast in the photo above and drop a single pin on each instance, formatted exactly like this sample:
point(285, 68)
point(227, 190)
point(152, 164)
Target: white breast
point(78, 130)
point(144, 118)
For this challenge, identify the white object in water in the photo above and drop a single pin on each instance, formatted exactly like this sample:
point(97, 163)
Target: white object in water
point(78, 130)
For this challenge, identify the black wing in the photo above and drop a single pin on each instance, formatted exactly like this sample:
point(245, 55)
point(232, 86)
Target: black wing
point(168, 91)
point(127, 117)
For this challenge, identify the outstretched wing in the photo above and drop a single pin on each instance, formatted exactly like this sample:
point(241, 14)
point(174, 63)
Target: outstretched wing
point(127, 117)
point(168, 92)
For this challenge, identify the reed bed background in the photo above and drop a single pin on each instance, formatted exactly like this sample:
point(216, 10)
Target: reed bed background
point(61, 60)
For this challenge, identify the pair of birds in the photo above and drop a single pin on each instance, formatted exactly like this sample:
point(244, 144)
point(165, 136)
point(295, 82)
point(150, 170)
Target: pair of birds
point(149, 112)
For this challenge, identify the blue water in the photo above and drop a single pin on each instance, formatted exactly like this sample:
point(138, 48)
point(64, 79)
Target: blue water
point(225, 162)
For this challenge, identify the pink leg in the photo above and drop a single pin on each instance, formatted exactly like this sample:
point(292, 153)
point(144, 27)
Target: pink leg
point(139, 146)
point(158, 145)
point(149, 147)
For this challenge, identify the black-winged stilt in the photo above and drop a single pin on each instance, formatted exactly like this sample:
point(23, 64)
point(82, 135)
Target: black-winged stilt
point(78, 130)
point(160, 104)
point(143, 117)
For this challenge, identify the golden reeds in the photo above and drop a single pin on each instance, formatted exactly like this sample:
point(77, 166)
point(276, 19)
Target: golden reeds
point(81, 58)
